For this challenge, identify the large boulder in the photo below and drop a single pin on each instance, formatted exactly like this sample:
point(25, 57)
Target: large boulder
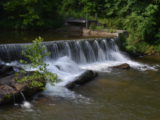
point(11, 90)
point(84, 78)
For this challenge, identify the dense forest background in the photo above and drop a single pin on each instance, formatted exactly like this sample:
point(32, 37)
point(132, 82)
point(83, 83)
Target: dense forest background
point(141, 18)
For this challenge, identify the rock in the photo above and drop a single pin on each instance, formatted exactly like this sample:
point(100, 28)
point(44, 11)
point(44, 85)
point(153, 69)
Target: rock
point(6, 89)
point(19, 86)
point(10, 89)
point(122, 66)
point(5, 94)
point(84, 78)
point(7, 70)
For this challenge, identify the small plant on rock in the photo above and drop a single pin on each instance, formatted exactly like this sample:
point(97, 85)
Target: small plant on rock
point(34, 57)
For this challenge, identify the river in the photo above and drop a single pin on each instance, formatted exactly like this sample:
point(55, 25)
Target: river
point(114, 95)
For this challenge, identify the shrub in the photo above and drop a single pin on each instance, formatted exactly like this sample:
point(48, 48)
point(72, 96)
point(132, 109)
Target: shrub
point(34, 55)
point(93, 26)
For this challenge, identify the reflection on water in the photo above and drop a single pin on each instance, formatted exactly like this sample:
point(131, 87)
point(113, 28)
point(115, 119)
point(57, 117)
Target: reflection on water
point(28, 36)
point(118, 95)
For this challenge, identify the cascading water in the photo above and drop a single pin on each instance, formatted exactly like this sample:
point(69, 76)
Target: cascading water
point(25, 103)
point(80, 51)
point(100, 53)
point(69, 59)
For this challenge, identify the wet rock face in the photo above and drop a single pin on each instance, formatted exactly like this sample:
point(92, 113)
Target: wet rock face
point(11, 89)
point(8, 88)
point(122, 66)
point(84, 78)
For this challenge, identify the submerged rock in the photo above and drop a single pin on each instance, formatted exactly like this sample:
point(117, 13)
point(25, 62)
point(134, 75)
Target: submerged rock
point(84, 78)
point(122, 66)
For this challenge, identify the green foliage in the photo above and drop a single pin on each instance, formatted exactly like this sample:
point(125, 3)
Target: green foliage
point(140, 18)
point(158, 48)
point(30, 14)
point(112, 23)
point(7, 97)
point(142, 28)
point(34, 55)
point(101, 28)
point(112, 30)
point(94, 26)
point(148, 49)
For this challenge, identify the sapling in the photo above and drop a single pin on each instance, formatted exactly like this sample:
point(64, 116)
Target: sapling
point(34, 55)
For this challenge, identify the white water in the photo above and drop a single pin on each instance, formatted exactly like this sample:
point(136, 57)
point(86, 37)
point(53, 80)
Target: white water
point(26, 105)
point(67, 71)
point(70, 59)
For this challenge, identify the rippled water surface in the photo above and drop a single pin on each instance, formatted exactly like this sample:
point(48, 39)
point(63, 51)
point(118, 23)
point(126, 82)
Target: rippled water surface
point(114, 95)
point(29, 36)
point(117, 95)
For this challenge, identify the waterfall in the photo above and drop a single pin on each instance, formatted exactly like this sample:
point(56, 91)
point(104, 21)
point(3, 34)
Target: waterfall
point(70, 58)
point(24, 98)
point(99, 52)
point(25, 103)
point(80, 51)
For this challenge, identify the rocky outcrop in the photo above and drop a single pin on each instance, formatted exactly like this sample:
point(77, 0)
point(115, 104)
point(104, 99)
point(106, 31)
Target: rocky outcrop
point(122, 66)
point(10, 89)
point(84, 78)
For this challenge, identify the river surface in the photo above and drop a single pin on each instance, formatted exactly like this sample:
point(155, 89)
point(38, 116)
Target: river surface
point(116, 95)
point(132, 94)
point(29, 36)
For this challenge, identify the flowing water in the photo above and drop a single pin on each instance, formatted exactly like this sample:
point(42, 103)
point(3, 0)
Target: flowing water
point(114, 95)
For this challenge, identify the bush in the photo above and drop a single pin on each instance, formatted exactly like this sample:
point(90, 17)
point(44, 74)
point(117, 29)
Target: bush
point(93, 26)
point(34, 55)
